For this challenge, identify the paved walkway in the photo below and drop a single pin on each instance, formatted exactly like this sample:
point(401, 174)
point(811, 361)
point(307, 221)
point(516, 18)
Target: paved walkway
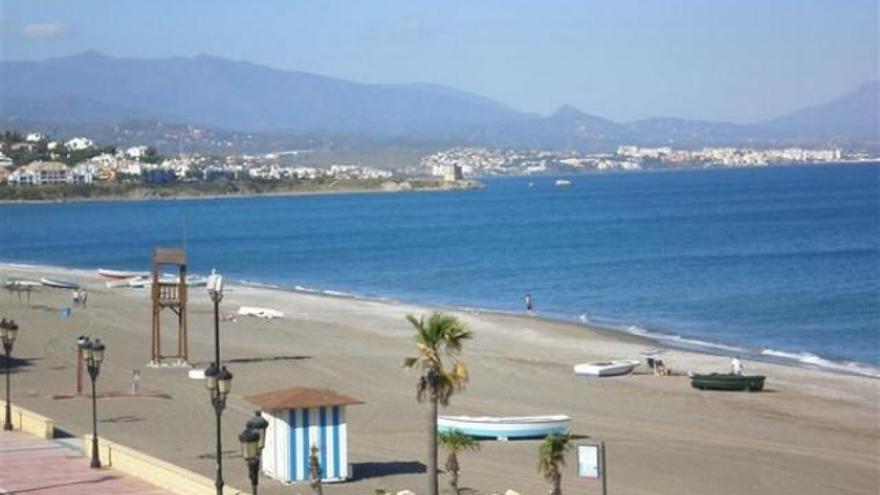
point(33, 466)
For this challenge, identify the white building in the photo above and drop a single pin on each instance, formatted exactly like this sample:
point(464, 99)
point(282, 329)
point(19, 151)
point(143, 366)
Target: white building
point(34, 137)
point(79, 143)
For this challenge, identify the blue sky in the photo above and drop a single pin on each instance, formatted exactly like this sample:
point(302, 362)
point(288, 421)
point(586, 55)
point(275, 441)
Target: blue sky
point(740, 60)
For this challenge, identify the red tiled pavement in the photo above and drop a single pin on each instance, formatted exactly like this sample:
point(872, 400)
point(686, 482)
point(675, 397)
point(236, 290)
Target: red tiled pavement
point(33, 466)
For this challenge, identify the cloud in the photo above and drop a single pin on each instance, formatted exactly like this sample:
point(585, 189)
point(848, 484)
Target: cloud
point(44, 31)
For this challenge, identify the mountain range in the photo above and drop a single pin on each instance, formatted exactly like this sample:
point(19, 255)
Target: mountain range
point(91, 88)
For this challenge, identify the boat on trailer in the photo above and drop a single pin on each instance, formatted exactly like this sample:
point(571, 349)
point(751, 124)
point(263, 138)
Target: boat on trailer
point(728, 381)
point(504, 427)
point(606, 368)
point(59, 284)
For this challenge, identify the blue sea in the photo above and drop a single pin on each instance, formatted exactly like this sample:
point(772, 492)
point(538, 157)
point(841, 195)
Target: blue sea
point(777, 263)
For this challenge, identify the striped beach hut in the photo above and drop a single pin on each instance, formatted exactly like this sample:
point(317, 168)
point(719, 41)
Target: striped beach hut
point(300, 417)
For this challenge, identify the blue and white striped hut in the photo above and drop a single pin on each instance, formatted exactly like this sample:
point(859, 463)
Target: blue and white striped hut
point(300, 417)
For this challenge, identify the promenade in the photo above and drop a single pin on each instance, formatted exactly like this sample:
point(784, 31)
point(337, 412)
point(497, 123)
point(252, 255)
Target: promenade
point(33, 466)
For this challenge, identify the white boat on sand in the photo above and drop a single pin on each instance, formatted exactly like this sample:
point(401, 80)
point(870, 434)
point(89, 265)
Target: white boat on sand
point(606, 368)
point(260, 312)
point(59, 284)
point(120, 274)
point(504, 428)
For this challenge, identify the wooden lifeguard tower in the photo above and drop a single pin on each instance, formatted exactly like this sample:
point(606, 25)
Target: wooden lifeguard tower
point(171, 295)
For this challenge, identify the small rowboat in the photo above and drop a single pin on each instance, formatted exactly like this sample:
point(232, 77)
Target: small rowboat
point(503, 428)
point(120, 274)
point(59, 284)
point(728, 381)
point(606, 368)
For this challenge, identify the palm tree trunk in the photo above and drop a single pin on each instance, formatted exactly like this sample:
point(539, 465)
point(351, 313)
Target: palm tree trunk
point(452, 470)
point(432, 447)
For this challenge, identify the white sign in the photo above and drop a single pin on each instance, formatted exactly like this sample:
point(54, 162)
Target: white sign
point(588, 461)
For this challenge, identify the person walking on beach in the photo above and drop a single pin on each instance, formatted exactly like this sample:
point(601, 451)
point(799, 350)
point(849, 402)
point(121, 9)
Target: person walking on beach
point(84, 298)
point(736, 366)
point(528, 302)
point(75, 298)
point(136, 382)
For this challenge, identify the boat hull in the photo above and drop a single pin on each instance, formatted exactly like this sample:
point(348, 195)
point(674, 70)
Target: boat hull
point(728, 381)
point(504, 428)
point(606, 368)
point(120, 274)
point(59, 284)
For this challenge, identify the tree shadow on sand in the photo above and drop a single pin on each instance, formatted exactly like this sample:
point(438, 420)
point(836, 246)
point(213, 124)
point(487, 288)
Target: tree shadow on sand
point(367, 470)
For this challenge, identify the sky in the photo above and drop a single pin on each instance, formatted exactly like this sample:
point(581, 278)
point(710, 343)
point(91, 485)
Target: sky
point(731, 60)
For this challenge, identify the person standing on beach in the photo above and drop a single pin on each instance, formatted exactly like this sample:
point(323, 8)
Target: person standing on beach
point(528, 302)
point(736, 366)
point(84, 298)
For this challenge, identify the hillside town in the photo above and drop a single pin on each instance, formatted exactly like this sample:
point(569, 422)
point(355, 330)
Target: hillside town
point(35, 160)
point(479, 161)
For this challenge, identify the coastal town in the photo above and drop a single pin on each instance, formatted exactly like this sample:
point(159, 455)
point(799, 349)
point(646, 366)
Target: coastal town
point(36, 159)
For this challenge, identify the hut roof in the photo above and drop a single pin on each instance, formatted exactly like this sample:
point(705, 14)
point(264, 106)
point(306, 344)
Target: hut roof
point(301, 397)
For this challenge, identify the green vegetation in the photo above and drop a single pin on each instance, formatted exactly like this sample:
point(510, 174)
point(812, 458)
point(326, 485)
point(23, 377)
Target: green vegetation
point(455, 442)
point(438, 336)
point(551, 458)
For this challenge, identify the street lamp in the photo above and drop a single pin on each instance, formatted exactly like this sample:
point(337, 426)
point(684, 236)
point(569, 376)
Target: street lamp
point(250, 451)
point(8, 333)
point(93, 354)
point(215, 291)
point(253, 439)
point(219, 383)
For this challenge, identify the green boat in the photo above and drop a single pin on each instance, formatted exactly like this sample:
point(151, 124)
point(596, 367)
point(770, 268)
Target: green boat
point(728, 381)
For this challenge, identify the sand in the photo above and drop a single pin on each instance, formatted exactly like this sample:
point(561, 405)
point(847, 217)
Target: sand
point(810, 432)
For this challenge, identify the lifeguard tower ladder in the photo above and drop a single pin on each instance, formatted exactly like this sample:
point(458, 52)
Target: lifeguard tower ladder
point(170, 295)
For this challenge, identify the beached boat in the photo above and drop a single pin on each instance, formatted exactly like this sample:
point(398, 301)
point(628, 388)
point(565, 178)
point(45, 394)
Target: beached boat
point(504, 428)
point(59, 284)
point(260, 312)
point(563, 183)
point(728, 381)
point(606, 368)
point(120, 274)
point(20, 283)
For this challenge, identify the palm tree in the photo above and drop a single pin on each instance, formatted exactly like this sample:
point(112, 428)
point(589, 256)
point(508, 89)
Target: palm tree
point(438, 336)
point(454, 442)
point(551, 458)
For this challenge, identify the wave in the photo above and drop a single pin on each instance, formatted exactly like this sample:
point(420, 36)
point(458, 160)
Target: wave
point(812, 360)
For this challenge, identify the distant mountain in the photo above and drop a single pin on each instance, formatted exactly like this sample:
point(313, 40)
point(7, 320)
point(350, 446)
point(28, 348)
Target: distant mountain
point(855, 115)
point(234, 95)
point(93, 90)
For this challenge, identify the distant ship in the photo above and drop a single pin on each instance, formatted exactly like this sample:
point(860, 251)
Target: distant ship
point(563, 183)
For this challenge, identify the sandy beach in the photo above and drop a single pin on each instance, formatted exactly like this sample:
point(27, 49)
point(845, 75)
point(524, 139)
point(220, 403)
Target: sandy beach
point(810, 432)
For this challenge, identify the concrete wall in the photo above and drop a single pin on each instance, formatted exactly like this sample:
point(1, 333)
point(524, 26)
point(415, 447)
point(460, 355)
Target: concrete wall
point(152, 470)
point(29, 422)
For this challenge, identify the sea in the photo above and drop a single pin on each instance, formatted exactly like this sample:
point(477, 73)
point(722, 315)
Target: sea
point(777, 263)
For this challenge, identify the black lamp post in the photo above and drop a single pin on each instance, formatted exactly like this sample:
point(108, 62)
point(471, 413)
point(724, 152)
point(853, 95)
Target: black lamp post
point(8, 331)
point(219, 383)
point(218, 379)
point(93, 355)
point(250, 451)
point(253, 439)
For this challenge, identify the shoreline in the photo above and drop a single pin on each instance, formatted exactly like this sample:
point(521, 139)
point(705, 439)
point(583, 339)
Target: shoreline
point(668, 341)
point(398, 187)
point(810, 432)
